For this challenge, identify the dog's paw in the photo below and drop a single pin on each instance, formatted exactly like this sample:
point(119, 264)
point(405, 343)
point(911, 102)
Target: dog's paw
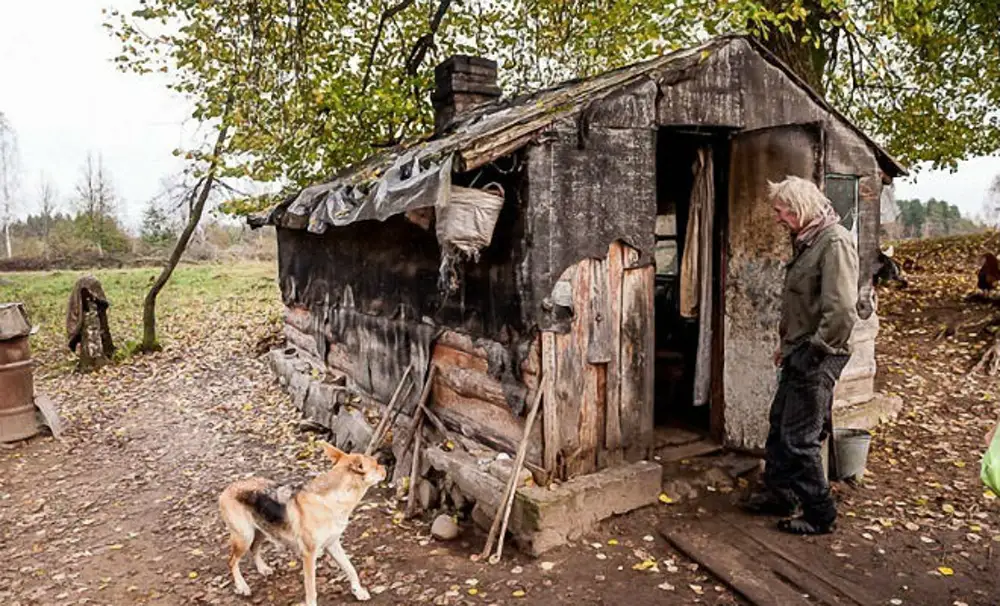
point(242, 589)
point(265, 570)
point(361, 594)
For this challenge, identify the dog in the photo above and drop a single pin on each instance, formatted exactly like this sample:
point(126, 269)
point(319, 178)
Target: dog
point(310, 520)
point(886, 270)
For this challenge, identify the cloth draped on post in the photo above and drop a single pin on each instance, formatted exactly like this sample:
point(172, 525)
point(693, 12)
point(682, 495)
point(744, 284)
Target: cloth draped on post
point(696, 269)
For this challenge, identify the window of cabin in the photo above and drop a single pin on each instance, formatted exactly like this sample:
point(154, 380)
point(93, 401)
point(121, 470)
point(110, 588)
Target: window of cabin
point(666, 245)
point(842, 190)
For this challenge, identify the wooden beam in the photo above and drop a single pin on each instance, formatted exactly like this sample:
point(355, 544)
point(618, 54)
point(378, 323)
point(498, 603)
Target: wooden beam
point(612, 421)
point(753, 581)
point(550, 411)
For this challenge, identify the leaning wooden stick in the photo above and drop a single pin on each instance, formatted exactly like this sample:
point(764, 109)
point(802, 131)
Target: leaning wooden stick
point(507, 501)
point(418, 413)
point(376, 438)
point(411, 498)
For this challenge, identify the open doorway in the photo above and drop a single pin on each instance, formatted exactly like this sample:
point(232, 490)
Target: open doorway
point(687, 193)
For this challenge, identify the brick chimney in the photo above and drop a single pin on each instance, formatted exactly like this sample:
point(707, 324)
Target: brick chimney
point(460, 84)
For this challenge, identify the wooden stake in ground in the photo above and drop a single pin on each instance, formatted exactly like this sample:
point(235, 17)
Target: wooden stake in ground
point(384, 422)
point(411, 499)
point(507, 501)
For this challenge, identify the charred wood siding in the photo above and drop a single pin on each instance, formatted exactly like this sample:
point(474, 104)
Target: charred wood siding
point(371, 293)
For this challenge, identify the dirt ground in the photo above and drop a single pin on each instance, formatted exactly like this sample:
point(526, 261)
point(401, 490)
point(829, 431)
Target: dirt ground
point(123, 509)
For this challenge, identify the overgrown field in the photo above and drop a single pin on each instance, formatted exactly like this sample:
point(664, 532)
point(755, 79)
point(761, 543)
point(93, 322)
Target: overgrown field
point(198, 300)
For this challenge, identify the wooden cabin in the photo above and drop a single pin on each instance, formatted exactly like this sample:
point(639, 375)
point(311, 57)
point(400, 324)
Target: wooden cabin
point(610, 233)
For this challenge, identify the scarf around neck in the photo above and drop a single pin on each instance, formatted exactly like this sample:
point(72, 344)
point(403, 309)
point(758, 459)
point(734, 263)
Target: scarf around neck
point(811, 230)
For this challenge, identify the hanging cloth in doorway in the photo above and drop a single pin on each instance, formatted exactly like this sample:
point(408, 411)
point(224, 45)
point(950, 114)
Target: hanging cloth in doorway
point(696, 269)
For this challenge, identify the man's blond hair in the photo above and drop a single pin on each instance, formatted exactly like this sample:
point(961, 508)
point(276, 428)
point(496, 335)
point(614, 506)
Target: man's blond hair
point(801, 196)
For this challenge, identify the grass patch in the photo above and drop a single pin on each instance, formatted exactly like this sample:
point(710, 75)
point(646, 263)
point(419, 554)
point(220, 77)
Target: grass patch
point(187, 305)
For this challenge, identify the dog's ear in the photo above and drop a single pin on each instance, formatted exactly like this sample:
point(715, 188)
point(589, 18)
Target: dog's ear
point(334, 453)
point(358, 466)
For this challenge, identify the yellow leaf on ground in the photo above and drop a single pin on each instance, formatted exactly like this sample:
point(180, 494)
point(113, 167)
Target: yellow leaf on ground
point(945, 571)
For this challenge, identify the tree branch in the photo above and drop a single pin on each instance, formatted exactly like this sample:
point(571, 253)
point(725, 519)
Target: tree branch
point(387, 14)
point(420, 48)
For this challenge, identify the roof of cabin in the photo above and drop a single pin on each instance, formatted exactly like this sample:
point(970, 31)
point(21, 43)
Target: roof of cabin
point(409, 176)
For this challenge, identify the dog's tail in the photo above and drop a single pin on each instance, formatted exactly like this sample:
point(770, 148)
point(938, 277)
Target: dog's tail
point(252, 502)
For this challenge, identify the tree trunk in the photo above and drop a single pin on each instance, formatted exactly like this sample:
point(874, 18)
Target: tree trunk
point(149, 342)
point(6, 233)
point(807, 61)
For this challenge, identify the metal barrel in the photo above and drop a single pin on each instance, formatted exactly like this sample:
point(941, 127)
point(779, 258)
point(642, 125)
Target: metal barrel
point(18, 420)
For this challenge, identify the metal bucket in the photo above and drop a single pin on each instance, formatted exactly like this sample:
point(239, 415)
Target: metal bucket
point(852, 453)
point(18, 420)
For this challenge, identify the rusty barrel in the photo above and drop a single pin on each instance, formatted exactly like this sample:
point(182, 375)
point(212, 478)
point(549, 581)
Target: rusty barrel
point(18, 420)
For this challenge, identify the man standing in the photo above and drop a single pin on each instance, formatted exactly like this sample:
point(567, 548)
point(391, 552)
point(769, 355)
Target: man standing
point(818, 313)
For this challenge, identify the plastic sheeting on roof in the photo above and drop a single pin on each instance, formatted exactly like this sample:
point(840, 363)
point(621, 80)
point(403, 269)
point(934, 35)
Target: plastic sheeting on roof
point(412, 181)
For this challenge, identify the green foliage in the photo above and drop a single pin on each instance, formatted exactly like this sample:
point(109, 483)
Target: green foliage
point(102, 231)
point(241, 207)
point(934, 218)
point(309, 86)
point(69, 235)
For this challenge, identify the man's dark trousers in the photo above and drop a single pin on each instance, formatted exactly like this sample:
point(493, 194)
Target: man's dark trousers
point(800, 421)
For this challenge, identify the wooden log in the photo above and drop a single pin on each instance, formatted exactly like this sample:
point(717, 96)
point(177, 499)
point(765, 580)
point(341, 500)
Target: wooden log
point(445, 355)
point(463, 343)
point(478, 385)
point(339, 358)
point(302, 341)
point(531, 366)
point(550, 418)
point(491, 425)
point(299, 318)
point(612, 421)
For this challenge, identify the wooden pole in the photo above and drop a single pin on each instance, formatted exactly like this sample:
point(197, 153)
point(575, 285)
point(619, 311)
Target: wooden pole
point(376, 438)
point(418, 414)
point(411, 499)
point(507, 501)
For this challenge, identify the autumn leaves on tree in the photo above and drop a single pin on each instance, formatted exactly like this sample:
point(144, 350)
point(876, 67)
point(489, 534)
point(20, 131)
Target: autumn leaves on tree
point(294, 90)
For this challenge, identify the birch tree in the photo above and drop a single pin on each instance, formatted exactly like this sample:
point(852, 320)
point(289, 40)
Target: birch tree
point(9, 179)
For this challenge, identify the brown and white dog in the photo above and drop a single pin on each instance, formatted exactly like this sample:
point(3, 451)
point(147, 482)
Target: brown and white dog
point(310, 520)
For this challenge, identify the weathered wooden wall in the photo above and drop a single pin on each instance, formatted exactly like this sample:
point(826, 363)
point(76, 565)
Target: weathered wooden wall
point(589, 276)
point(367, 297)
point(589, 185)
point(757, 251)
point(599, 405)
point(470, 400)
point(738, 88)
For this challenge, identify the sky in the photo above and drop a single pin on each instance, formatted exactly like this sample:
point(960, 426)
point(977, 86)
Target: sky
point(65, 99)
